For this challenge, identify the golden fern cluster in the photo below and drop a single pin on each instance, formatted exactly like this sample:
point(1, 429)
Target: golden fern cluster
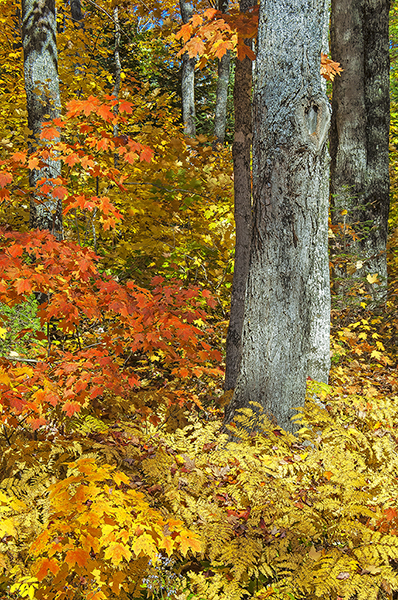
point(282, 516)
point(279, 516)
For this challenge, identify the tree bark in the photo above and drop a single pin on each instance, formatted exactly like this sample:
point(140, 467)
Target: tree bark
point(188, 78)
point(43, 101)
point(220, 118)
point(243, 208)
point(76, 10)
point(287, 305)
point(359, 133)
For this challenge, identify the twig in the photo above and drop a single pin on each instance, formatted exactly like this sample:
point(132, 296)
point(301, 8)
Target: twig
point(106, 13)
point(21, 359)
point(163, 187)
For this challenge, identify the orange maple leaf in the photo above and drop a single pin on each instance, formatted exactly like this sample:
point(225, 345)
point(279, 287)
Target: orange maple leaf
point(76, 556)
point(390, 514)
point(189, 541)
point(71, 159)
point(329, 68)
point(222, 48)
point(49, 133)
point(71, 408)
point(126, 107)
point(105, 112)
point(196, 20)
point(168, 544)
point(195, 46)
point(210, 13)
point(60, 192)
point(243, 51)
point(19, 157)
point(5, 179)
point(44, 565)
point(40, 543)
point(33, 162)
point(185, 32)
point(146, 154)
point(23, 286)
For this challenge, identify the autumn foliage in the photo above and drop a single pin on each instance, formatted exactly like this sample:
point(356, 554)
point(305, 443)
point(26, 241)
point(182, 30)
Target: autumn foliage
point(115, 478)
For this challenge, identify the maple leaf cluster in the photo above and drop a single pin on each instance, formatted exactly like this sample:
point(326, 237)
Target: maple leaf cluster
point(87, 305)
point(212, 35)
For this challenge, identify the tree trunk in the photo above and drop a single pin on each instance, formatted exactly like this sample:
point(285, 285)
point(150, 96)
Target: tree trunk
point(220, 118)
point(188, 78)
point(243, 209)
point(359, 134)
point(43, 101)
point(76, 10)
point(285, 339)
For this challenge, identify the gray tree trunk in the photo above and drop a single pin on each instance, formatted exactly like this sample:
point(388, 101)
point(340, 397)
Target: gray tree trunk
point(359, 133)
point(43, 101)
point(188, 78)
point(243, 208)
point(287, 305)
point(220, 118)
point(76, 10)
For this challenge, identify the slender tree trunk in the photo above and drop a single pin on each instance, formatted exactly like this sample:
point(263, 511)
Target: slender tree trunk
point(116, 54)
point(188, 78)
point(359, 134)
point(118, 72)
point(283, 341)
point(76, 10)
point(43, 101)
point(243, 209)
point(220, 119)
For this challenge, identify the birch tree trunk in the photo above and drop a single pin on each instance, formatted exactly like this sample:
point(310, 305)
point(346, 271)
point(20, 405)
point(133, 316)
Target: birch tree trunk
point(188, 78)
point(287, 305)
point(220, 118)
point(43, 101)
point(242, 206)
point(359, 134)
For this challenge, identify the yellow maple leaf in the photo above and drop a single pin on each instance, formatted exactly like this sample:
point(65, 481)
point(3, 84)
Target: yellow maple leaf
point(4, 377)
point(7, 528)
point(116, 582)
point(145, 544)
point(121, 478)
point(372, 278)
point(116, 552)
